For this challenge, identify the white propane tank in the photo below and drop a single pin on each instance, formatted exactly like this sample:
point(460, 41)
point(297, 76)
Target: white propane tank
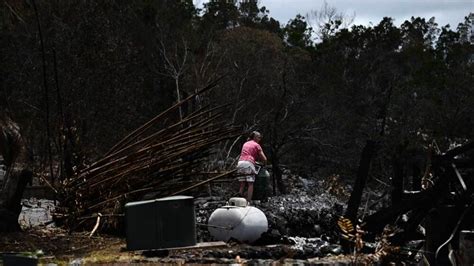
point(239, 221)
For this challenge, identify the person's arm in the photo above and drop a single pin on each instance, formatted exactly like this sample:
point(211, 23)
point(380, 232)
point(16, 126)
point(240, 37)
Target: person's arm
point(263, 157)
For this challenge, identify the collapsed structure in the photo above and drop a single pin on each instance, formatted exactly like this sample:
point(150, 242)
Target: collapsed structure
point(435, 214)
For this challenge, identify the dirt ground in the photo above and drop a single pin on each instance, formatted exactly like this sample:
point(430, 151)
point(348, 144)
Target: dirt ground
point(59, 247)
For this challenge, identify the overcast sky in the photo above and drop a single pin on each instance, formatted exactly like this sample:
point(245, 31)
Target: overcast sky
point(445, 11)
point(372, 11)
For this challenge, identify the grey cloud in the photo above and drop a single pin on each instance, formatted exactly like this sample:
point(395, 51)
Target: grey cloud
point(366, 11)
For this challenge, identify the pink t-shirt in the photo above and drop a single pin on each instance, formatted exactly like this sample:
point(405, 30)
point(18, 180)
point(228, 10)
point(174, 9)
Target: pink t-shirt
point(250, 151)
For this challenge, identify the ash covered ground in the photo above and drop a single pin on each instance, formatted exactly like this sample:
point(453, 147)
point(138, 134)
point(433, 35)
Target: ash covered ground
point(302, 227)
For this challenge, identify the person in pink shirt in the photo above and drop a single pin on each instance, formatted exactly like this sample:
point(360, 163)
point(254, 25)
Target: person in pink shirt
point(250, 154)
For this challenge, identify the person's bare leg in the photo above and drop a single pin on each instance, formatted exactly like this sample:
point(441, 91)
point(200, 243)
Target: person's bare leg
point(242, 186)
point(250, 191)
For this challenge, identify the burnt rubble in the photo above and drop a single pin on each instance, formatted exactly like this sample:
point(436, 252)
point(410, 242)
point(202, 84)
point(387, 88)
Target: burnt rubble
point(302, 224)
point(395, 225)
point(307, 224)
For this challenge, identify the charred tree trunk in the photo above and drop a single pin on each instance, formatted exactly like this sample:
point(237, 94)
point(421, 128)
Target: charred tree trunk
point(17, 162)
point(364, 166)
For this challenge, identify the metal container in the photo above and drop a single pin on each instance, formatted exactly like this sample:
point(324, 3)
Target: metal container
point(245, 224)
point(13, 259)
point(261, 188)
point(239, 202)
point(160, 223)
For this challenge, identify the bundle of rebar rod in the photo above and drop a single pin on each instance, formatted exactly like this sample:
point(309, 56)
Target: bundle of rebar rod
point(162, 156)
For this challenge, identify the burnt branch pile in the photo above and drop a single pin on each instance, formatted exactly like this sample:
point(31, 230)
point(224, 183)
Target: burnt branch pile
point(447, 185)
point(162, 157)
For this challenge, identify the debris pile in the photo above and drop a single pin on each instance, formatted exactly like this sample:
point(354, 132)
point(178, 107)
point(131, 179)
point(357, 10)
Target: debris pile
point(395, 225)
point(302, 224)
point(302, 215)
point(443, 207)
point(36, 212)
point(163, 156)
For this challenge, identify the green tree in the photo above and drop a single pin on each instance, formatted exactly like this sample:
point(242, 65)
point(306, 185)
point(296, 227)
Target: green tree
point(298, 33)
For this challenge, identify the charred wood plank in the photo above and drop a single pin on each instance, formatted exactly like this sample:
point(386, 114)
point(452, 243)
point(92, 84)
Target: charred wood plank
point(410, 228)
point(423, 200)
point(458, 150)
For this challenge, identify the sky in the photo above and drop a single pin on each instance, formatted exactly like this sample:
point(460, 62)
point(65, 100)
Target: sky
point(372, 11)
point(366, 11)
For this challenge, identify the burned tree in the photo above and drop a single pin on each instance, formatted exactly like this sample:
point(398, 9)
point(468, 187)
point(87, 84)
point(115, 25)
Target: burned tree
point(18, 173)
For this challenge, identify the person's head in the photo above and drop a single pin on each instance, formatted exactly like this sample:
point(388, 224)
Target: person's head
point(255, 136)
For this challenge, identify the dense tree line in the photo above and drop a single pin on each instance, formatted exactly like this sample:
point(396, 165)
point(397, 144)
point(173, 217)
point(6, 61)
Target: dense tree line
point(109, 66)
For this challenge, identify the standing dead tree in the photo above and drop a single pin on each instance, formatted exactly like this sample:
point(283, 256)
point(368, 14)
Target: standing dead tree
point(163, 156)
point(18, 173)
point(327, 21)
point(175, 67)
